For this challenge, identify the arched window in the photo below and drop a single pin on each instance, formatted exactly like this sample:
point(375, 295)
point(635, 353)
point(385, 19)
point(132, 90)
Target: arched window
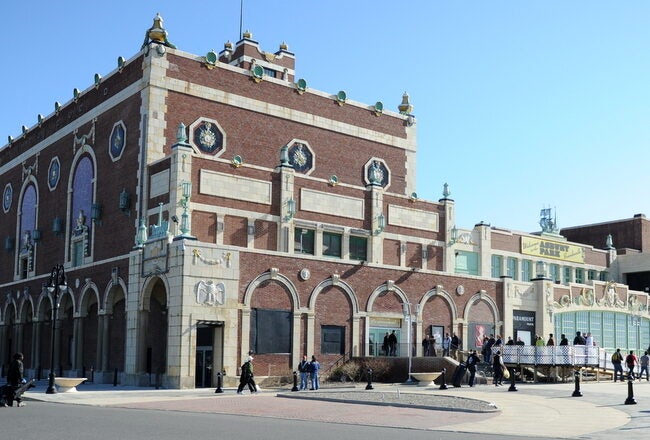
point(27, 226)
point(82, 199)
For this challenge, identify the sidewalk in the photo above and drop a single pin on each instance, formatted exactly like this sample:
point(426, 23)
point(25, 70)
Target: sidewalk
point(539, 410)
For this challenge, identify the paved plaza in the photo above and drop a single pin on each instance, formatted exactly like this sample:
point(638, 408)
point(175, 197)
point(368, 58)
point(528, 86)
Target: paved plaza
point(548, 410)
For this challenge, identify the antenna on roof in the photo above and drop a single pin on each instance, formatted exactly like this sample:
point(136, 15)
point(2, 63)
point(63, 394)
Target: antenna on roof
point(241, 18)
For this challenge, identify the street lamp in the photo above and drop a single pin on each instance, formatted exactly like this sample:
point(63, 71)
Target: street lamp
point(408, 316)
point(55, 286)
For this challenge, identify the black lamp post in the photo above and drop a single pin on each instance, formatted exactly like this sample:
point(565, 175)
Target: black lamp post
point(55, 286)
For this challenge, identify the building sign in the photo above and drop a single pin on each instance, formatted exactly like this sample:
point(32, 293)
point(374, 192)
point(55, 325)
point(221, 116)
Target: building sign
point(523, 325)
point(552, 249)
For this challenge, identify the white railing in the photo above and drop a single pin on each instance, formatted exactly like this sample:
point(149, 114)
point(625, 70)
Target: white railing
point(574, 355)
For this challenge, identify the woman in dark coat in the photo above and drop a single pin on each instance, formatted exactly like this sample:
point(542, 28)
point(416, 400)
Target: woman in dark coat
point(497, 366)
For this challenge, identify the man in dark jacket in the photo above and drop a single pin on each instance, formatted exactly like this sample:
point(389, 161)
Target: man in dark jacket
point(579, 339)
point(246, 377)
point(15, 380)
point(472, 360)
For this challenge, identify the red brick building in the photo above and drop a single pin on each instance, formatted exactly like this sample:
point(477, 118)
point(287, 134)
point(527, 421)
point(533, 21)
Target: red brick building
point(205, 207)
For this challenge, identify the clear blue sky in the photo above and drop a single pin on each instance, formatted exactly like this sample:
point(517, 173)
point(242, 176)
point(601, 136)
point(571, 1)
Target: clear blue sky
point(520, 105)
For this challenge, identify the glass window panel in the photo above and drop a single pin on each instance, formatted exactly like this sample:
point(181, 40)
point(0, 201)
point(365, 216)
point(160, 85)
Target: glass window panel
point(496, 266)
point(566, 279)
point(621, 331)
point(467, 263)
point(609, 330)
point(580, 275)
point(303, 241)
point(595, 327)
point(27, 214)
point(82, 192)
point(358, 248)
point(331, 244)
point(554, 271)
point(526, 270)
point(512, 268)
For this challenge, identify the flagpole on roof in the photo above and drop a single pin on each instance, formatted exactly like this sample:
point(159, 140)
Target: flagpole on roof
point(241, 18)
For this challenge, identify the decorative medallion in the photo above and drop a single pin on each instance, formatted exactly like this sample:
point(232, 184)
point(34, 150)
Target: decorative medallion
point(460, 290)
point(7, 197)
point(377, 173)
point(305, 274)
point(117, 141)
point(208, 137)
point(53, 173)
point(301, 157)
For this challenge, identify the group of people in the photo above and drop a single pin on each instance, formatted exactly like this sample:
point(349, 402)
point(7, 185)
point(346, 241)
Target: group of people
point(389, 347)
point(631, 362)
point(309, 373)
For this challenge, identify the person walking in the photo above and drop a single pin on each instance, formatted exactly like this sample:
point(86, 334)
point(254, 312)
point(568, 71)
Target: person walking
point(617, 362)
point(644, 366)
point(425, 346)
point(579, 339)
point(472, 360)
point(303, 369)
point(313, 373)
point(446, 344)
point(392, 343)
point(246, 377)
point(551, 341)
point(15, 380)
point(630, 362)
point(497, 367)
point(454, 346)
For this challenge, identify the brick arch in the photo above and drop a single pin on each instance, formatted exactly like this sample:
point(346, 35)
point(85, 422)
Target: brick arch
point(381, 289)
point(345, 287)
point(272, 275)
point(438, 292)
point(482, 296)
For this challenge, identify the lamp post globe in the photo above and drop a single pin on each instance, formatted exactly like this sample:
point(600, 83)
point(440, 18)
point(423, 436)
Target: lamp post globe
point(55, 286)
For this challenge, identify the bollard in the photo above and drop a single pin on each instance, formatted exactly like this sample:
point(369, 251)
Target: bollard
point(630, 391)
point(115, 378)
point(295, 381)
point(38, 373)
point(576, 379)
point(369, 386)
point(219, 390)
point(512, 380)
point(443, 385)
point(92, 374)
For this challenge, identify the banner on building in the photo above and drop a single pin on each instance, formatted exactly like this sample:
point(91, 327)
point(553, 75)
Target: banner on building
point(552, 249)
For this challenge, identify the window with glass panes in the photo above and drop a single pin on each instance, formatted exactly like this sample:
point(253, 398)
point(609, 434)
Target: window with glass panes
point(592, 275)
point(358, 248)
point(580, 275)
point(566, 272)
point(331, 244)
point(496, 266)
point(621, 330)
point(554, 272)
point(609, 330)
point(512, 268)
point(303, 241)
point(466, 262)
point(526, 270)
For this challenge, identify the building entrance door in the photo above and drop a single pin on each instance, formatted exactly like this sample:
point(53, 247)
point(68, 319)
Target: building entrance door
point(204, 367)
point(204, 356)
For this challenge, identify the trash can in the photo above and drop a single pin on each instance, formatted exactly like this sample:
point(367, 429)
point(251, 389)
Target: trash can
point(459, 373)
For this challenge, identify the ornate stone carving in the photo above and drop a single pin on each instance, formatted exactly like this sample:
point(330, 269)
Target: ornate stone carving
point(210, 293)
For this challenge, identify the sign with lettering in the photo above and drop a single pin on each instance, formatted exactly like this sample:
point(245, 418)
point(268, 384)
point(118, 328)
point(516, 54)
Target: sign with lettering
point(552, 249)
